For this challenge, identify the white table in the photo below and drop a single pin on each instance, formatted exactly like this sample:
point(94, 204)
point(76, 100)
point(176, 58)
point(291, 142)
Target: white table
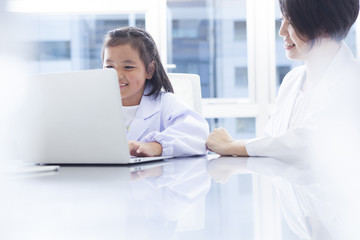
point(185, 198)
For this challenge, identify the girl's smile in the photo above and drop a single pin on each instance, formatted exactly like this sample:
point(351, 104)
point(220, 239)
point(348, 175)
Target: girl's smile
point(123, 85)
point(131, 72)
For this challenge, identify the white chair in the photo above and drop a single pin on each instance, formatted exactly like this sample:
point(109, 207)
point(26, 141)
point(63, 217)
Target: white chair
point(188, 88)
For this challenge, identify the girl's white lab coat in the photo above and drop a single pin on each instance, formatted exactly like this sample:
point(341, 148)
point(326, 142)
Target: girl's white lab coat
point(166, 120)
point(300, 117)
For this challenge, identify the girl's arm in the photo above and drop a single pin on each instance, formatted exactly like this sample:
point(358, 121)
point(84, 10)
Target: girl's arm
point(184, 131)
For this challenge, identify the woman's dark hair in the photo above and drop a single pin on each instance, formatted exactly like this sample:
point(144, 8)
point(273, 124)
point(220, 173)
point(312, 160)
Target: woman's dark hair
point(144, 44)
point(313, 19)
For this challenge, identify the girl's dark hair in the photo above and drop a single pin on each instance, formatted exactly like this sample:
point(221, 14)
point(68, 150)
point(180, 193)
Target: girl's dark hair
point(313, 19)
point(143, 43)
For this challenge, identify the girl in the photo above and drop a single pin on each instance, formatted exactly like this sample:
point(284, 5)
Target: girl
point(157, 121)
point(314, 98)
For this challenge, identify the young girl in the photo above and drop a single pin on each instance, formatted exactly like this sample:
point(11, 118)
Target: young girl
point(158, 123)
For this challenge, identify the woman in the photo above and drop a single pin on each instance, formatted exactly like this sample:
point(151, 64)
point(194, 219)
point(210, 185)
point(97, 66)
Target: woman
point(311, 96)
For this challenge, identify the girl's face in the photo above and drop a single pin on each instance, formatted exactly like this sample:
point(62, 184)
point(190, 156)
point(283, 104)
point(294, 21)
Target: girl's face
point(296, 48)
point(131, 72)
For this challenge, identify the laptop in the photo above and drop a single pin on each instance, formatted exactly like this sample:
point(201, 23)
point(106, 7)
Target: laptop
point(75, 118)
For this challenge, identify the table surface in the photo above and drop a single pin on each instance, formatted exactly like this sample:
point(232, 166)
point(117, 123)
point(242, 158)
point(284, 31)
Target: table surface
point(207, 197)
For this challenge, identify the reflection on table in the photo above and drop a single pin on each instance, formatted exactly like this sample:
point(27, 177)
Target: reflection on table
point(206, 197)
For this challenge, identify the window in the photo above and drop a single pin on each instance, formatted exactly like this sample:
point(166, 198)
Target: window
point(190, 49)
point(200, 44)
point(240, 31)
point(241, 81)
point(80, 40)
point(240, 128)
point(245, 127)
point(51, 50)
point(241, 77)
point(189, 29)
point(281, 71)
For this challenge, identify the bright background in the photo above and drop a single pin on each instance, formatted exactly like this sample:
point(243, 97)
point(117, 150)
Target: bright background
point(232, 44)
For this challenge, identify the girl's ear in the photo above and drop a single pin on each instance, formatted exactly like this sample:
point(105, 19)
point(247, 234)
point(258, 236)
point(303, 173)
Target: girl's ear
point(150, 70)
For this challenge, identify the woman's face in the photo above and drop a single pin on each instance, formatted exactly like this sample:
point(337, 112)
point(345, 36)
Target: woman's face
point(131, 72)
point(295, 47)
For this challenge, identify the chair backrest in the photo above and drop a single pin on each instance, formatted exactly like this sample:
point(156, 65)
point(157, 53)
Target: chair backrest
point(188, 88)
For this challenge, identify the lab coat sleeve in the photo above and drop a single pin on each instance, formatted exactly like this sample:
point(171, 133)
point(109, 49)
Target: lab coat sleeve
point(293, 145)
point(185, 131)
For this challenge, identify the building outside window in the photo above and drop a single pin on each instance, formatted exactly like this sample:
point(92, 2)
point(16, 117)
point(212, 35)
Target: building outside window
point(240, 31)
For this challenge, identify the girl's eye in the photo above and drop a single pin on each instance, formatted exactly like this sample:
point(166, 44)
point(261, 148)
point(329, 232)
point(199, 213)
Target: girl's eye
point(109, 67)
point(128, 67)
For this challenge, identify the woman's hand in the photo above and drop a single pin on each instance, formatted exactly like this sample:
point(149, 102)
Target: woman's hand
point(145, 149)
point(222, 168)
point(221, 142)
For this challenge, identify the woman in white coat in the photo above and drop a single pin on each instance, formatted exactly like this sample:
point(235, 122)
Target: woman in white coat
point(312, 96)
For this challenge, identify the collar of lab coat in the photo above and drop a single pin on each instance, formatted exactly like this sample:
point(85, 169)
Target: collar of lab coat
point(147, 108)
point(340, 82)
point(339, 66)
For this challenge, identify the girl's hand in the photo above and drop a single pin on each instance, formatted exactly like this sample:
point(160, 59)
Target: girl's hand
point(147, 173)
point(145, 149)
